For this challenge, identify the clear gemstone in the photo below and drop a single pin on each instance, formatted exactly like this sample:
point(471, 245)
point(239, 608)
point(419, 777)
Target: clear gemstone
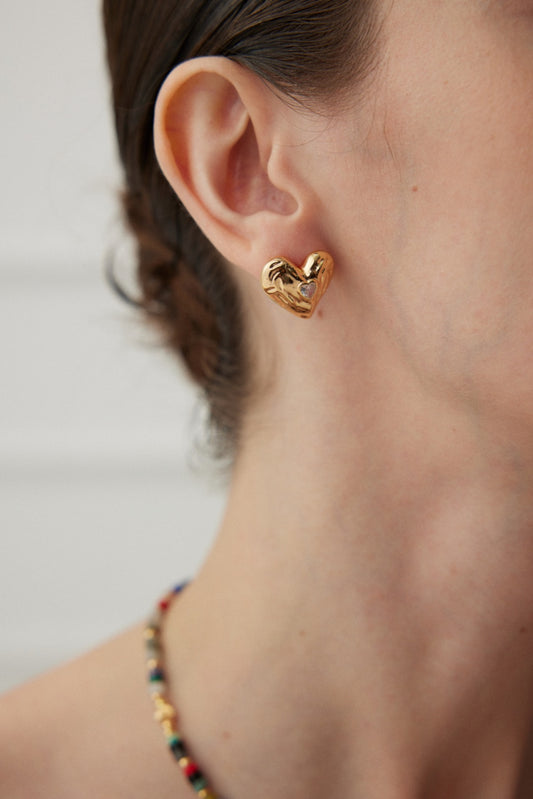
point(308, 290)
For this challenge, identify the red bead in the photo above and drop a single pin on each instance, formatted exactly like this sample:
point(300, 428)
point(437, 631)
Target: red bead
point(191, 768)
point(164, 605)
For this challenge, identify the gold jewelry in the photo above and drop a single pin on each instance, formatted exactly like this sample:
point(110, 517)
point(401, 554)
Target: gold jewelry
point(298, 289)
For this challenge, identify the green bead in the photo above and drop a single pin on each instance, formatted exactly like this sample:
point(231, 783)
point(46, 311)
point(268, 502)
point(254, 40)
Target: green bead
point(177, 747)
point(199, 782)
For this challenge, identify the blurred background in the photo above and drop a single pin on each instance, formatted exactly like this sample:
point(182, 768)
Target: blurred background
point(103, 503)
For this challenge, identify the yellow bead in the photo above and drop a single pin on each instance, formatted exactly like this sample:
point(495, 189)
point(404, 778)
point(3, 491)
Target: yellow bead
point(152, 664)
point(164, 712)
point(184, 762)
point(168, 728)
point(205, 793)
point(150, 633)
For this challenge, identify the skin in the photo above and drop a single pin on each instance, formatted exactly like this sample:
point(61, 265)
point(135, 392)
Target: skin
point(364, 622)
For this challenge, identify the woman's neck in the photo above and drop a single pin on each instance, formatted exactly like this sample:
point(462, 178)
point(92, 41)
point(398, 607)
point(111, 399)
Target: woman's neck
point(365, 618)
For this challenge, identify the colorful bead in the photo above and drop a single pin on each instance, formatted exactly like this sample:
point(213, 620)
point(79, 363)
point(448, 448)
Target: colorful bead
point(198, 781)
point(168, 728)
point(157, 688)
point(165, 713)
point(191, 768)
point(151, 633)
point(177, 748)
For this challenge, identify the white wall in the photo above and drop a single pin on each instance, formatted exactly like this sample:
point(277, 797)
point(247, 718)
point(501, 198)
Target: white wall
point(99, 510)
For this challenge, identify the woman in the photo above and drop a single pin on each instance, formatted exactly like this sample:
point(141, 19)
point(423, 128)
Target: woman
point(363, 625)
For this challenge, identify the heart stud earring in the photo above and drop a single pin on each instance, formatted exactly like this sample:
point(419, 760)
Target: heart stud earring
point(298, 289)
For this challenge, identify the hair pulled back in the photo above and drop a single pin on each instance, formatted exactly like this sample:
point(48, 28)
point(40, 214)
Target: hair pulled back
point(305, 48)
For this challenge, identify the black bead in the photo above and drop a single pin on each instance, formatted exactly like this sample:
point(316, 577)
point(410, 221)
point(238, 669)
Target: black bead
point(178, 749)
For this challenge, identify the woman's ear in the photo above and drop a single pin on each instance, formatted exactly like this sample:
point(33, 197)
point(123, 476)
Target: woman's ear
point(220, 133)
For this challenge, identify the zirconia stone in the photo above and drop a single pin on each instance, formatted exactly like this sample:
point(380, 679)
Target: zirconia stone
point(308, 290)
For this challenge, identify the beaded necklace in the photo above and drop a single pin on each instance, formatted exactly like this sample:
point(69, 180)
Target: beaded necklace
point(165, 712)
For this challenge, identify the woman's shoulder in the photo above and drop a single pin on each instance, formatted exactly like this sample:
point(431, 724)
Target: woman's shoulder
point(85, 730)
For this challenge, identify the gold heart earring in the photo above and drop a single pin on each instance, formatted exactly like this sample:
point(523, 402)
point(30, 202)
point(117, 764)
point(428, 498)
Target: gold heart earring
point(298, 288)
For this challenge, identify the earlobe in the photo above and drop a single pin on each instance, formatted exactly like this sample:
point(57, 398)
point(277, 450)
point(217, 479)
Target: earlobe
point(214, 133)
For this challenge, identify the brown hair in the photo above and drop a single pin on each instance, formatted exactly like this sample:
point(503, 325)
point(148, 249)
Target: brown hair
point(305, 48)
